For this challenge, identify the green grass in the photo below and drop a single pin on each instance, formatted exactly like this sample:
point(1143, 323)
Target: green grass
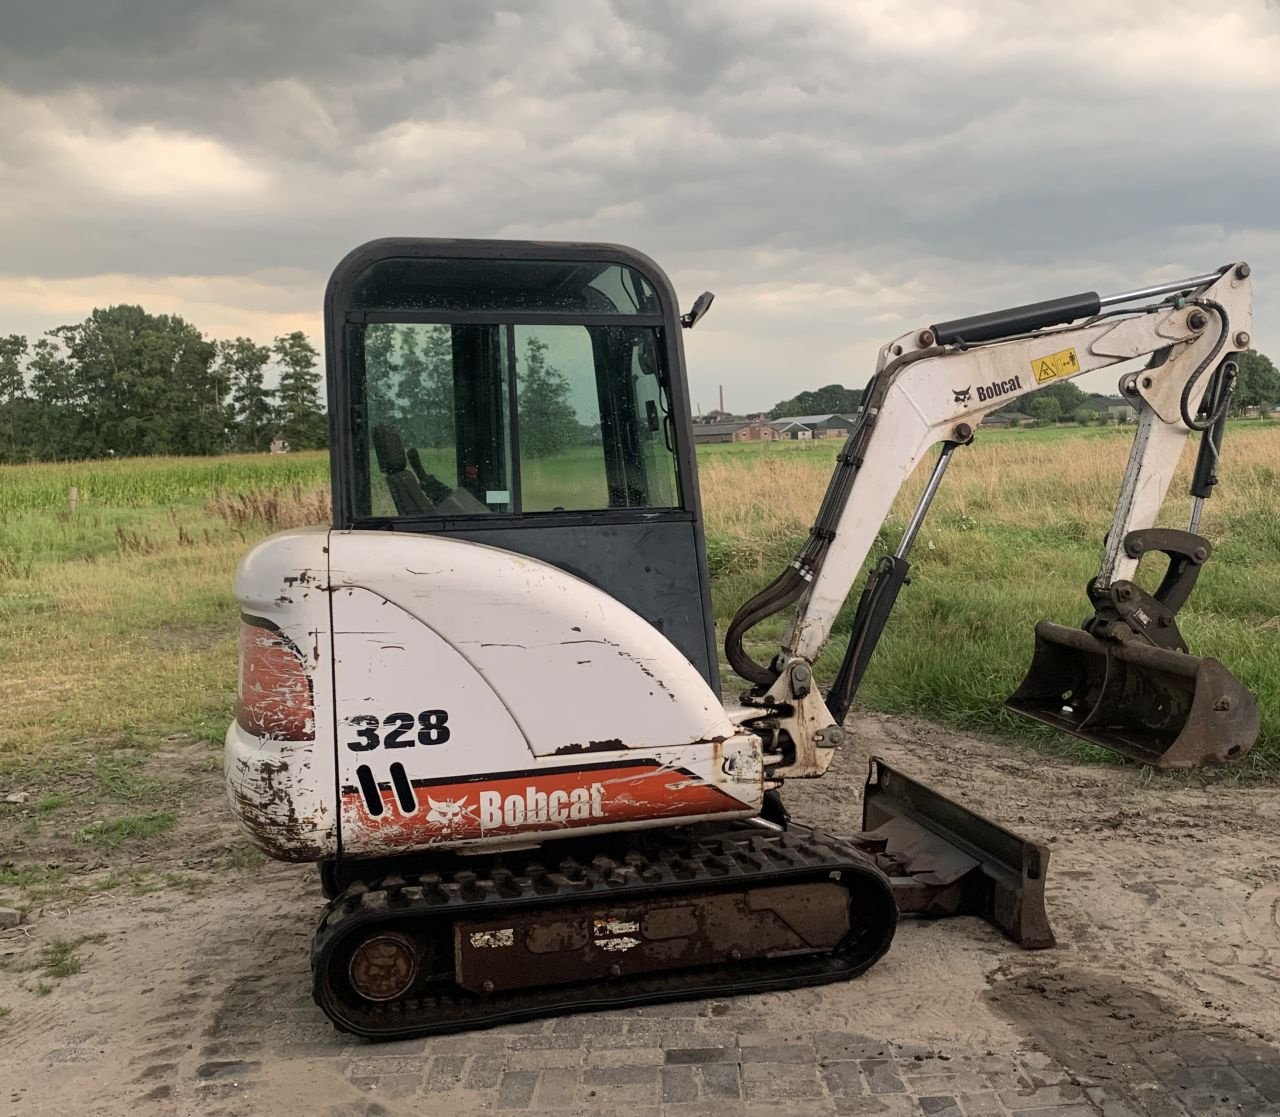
point(127, 483)
point(1013, 537)
point(120, 625)
point(58, 958)
point(30, 877)
point(111, 834)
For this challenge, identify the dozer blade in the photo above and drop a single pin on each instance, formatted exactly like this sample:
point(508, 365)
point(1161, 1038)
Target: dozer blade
point(1162, 707)
point(943, 859)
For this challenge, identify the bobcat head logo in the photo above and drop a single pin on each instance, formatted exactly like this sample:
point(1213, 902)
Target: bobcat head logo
point(449, 814)
point(962, 394)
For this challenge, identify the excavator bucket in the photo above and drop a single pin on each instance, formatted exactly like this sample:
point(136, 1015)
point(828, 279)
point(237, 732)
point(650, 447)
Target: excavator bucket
point(1162, 707)
point(942, 859)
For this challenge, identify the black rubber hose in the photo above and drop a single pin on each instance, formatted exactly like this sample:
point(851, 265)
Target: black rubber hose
point(791, 584)
point(784, 590)
point(1185, 403)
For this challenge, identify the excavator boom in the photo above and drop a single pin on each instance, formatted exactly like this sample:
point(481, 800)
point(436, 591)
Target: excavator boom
point(1123, 683)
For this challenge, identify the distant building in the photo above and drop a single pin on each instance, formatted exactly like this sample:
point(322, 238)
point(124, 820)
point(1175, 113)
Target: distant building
point(279, 445)
point(1006, 419)
point(789, 428)
point(1113, 408)
point(822, 426)
point(739, 430)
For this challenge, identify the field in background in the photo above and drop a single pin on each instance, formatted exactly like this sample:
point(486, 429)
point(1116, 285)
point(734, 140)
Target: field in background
point(1013, 536)
point(119, 627)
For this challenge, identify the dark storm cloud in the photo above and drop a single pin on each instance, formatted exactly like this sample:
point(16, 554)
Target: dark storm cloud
point(110, 42)
point(829, 161)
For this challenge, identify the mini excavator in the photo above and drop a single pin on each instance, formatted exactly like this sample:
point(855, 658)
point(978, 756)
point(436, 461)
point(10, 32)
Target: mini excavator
point(487, 701)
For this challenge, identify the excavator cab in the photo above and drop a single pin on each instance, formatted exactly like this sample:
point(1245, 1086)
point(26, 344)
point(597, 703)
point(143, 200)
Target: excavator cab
point(526, 396)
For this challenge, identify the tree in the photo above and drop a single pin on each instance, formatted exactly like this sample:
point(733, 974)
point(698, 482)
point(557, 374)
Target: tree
point(12, 349)
point(298, 411)
point(58, 426)
point(241, 364)
point(1258, 384)
point(439, 420)
point(1044, 408)
point(127, 382)
point(379, 383)
point(425, 387)
point(548, 422)
point(834, 399)
point(13, 406)
point(1068, 397)
point(140, 384)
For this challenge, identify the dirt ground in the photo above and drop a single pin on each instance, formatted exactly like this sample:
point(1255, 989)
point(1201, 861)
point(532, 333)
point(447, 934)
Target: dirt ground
point(1164, 895)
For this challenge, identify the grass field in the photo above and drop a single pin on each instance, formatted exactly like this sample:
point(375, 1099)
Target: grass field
point(117, 626)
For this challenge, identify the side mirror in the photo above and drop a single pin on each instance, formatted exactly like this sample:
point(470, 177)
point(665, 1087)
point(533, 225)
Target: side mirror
point(700, 306)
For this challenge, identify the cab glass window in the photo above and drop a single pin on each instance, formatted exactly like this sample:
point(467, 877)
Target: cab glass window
point(480, 284)
point(470, 419)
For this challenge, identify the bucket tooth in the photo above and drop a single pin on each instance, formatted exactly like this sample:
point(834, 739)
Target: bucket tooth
point(943, 859)
point(1161, 707)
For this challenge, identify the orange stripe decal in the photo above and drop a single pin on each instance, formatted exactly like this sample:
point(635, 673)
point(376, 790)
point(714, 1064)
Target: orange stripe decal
point(537, 801)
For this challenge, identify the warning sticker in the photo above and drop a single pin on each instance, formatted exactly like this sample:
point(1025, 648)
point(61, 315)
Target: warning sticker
point(1063, 363)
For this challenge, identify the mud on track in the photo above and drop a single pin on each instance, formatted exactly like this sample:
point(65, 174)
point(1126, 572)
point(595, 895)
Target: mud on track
point(1162, 997)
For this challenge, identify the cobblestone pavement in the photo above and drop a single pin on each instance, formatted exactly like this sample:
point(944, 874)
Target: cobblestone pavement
point(256, 1047)
point(1162, 998)
point(711, 1058)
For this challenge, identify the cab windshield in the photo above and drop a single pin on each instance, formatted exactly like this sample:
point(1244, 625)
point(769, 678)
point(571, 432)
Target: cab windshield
point(482, 387)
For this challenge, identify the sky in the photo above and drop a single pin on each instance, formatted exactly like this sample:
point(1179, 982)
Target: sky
point(836, 171)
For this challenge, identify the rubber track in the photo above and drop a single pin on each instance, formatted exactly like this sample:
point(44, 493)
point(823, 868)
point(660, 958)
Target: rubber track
point(613, 872)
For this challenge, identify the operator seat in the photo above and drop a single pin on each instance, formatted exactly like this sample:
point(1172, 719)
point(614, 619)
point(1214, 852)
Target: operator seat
point(407, 493)
point(435, 489)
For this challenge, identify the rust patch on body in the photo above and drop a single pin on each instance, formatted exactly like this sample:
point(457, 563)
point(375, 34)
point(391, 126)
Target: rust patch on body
point(611, 745)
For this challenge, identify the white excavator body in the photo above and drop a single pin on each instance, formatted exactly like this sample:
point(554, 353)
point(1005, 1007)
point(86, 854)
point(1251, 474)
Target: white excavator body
point(486, 699)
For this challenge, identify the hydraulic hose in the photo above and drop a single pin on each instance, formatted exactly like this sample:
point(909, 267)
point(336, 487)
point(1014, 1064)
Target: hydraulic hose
point(789, 586)
point(1184, 404)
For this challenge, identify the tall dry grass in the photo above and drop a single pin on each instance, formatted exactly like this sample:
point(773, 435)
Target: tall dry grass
point(1013, 536)
point(276, 509)
point(1014, 481)
point(117, 620)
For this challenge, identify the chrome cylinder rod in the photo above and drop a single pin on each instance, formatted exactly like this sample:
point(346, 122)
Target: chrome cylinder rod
point(1161, 289)
point(926, 498)
point(1197, 506)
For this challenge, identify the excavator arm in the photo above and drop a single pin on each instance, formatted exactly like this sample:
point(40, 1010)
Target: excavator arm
point(935, 385)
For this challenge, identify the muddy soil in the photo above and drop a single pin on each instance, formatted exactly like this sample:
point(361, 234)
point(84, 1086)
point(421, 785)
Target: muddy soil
point(1165, 898)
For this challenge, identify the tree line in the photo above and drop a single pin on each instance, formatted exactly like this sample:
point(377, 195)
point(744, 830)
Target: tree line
point(1257, 386)
point(834, 399)
point(125, 382)
point(409, 379)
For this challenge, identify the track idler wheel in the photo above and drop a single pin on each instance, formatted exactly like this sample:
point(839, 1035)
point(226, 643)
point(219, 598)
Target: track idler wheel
point(384, 966)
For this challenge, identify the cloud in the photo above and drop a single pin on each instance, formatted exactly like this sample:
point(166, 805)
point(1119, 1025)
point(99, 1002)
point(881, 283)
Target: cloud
point(837, 170)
